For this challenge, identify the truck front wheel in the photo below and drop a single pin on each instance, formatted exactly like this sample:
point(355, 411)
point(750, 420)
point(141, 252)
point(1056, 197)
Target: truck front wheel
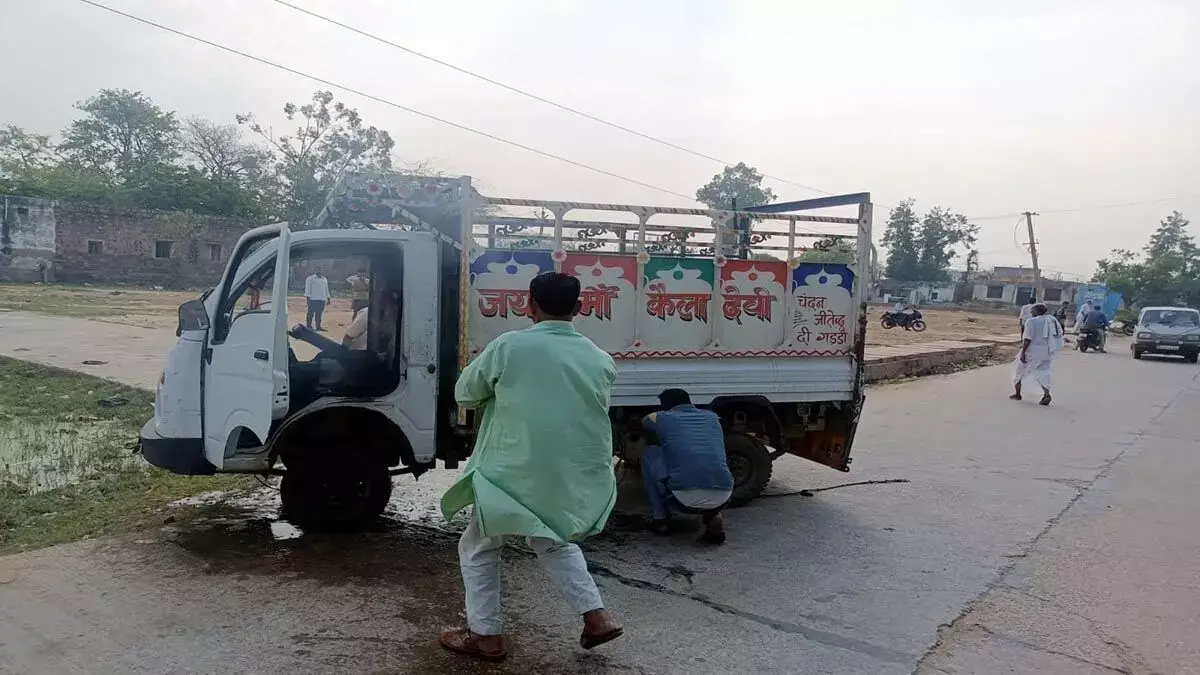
point(335, 499)
point(750, 463)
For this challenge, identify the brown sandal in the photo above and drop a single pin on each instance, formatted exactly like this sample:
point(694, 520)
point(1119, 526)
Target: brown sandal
point(591, 641)
point(463, 641)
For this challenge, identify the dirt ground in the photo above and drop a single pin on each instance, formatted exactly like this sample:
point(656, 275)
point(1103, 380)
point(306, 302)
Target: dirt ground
point(157, 309)
point(941, 324)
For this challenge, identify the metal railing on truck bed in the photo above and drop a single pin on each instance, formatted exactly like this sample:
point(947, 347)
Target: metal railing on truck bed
point(668, 291)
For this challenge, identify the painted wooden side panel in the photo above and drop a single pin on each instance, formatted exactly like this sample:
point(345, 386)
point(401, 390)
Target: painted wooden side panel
point(652, 307)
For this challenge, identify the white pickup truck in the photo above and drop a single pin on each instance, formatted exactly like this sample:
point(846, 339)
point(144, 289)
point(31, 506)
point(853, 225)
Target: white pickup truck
point(745, 311)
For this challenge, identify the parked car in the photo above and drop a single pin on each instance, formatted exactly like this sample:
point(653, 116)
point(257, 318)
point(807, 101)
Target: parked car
point(1173, 331)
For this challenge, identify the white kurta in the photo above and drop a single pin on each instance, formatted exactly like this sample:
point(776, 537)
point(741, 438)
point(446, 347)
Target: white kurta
point(1044, 334)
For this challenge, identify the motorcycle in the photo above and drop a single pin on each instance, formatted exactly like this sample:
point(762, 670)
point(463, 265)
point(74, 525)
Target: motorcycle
point(907, 320)
point(1091, 338)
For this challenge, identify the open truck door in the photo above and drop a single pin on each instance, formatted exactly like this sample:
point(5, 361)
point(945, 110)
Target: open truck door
point(245, 384)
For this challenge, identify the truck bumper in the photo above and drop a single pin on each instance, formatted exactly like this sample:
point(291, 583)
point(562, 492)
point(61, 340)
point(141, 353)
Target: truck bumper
point(183, 456)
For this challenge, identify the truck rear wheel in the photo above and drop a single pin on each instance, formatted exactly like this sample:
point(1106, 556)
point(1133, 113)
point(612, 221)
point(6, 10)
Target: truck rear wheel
point(335, 499)
point(750, 463)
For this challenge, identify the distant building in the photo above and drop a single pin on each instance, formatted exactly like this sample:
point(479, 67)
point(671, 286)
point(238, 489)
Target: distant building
point(1015, 286)
point(919, 292)
point(80, 242)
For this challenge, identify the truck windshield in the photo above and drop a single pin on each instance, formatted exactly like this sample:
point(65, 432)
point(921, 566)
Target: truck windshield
point(1177, 318)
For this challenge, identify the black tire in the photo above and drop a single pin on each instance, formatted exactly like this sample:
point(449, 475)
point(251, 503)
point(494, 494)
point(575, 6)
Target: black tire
point(886, 322)
point(335, 499)
point(750, 463)
point(1083, 345)
point(1192, 358)
point(918, 325)
point(1137, 355)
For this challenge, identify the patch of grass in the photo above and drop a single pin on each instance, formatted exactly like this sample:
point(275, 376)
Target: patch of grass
point(31, 392)
point(89, 302)
point(56, 300)
point(77, 431)
point(101, 505)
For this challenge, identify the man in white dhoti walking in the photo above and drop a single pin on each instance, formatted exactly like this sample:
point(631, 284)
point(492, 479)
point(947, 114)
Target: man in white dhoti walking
point(1041, 338)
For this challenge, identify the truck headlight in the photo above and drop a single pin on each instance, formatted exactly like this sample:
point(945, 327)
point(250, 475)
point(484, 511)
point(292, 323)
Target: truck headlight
point(1144, 336)
point(1192, 338)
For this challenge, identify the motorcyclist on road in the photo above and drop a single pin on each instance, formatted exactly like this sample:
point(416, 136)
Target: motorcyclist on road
point(1095, 321)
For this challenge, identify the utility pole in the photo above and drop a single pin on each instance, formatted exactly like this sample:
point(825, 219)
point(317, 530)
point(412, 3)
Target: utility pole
point(1037, 272)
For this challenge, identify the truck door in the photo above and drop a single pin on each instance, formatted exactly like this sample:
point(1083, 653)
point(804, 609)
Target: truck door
point(418, 391)
point(246, 374)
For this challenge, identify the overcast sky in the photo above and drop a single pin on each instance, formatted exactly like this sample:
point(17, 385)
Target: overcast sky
point(981, 106)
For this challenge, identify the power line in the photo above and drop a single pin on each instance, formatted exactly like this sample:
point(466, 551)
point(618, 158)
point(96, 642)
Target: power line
point(1095, 207)
point(377, 99)
point(1116, 206)
point(533, 96)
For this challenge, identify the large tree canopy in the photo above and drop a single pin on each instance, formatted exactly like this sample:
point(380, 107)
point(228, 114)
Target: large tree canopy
point(1167, 272)
point(127, 150)
point(329, 139)
point(123, 136)
point(740, 182)
point(921, 248)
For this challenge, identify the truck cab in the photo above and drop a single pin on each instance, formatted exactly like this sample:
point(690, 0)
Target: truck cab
point(249, 388)
point(732, 307)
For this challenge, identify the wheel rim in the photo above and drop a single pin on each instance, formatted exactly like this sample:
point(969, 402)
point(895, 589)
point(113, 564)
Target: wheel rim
point(739, 467)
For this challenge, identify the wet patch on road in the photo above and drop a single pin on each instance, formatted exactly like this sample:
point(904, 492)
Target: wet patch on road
point(409, 568)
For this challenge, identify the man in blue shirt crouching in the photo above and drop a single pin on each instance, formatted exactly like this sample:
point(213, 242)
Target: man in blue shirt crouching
point(685, 469)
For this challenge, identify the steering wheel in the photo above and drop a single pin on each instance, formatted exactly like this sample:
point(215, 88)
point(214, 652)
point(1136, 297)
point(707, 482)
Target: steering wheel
point(323, 344)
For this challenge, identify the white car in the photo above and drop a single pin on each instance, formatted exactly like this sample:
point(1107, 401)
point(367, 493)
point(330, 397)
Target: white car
point(1171, 331)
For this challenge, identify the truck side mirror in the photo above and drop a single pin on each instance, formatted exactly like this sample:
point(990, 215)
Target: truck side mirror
point(193, 315)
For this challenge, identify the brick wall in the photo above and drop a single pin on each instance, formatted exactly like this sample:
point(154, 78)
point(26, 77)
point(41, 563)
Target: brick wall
point(105, 245)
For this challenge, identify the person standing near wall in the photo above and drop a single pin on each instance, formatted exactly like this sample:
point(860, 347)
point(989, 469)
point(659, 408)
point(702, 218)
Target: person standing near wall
point(316, 293)
point(360, 290)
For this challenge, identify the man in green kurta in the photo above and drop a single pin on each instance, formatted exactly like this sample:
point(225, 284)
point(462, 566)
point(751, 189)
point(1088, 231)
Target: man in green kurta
point(542, 465)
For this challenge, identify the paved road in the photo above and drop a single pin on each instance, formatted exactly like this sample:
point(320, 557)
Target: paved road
point(1027, 540)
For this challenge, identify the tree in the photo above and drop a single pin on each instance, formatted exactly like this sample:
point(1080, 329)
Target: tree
point(900, 237)
point(740, 182)
point(220, 152)
point(1166, 274)
point(922, 249)
point(329, 139)
point(22, 151)
point(1121, 272)
point(226, 175)
point(123, 137)
point(941, 232)
point(830, 251)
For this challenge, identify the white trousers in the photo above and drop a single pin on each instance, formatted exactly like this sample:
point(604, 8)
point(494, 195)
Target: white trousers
point(1040, 370)
point(479, 557)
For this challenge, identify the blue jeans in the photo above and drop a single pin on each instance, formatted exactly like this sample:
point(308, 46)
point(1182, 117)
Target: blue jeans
point(654, 476)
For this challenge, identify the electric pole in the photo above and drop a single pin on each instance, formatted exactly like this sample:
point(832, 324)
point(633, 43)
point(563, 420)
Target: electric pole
point(1037, 272)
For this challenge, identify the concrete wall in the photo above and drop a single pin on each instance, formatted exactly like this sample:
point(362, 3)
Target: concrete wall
point(27, 235)
point(103, 245)
point(1009, 296)
point(917, 292)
